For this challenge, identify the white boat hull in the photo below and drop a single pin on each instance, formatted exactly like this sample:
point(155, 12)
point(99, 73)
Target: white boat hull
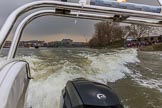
point(13, 84)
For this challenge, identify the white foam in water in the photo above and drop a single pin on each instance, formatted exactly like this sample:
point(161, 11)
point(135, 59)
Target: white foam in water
point(31, 60)
point(150, 83)
point(160, 56)
point(112, 67)
point(2, 58)
point(45, 93)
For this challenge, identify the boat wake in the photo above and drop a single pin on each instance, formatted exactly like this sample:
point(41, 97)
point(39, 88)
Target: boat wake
point(150, 83)
point(51, 71)
point(45, 88)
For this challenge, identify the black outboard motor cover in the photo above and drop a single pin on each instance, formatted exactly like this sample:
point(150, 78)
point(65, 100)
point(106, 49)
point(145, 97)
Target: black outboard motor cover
point(81, 93)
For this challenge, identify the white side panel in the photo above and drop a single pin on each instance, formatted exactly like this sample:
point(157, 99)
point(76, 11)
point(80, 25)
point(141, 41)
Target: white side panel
point(13, 80)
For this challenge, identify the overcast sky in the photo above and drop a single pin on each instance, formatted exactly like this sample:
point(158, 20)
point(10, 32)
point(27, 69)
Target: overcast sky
point(54, 28)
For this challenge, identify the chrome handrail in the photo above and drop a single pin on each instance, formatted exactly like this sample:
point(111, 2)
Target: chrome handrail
point(52, 12)
point(5, 30)
point(41, 13)
point(160, 2)
point(21, 27)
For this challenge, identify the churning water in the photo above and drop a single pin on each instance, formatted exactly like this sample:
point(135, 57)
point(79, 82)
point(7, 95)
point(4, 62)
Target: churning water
point(135, 76)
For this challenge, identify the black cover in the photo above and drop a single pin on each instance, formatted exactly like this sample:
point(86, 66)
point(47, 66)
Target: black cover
point(81, 93)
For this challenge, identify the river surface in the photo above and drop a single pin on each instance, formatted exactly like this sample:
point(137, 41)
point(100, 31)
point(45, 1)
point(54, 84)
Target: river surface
point(135, 76)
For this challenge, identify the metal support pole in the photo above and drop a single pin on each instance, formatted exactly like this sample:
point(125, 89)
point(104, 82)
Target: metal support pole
point(21, 27)
point(160, 2)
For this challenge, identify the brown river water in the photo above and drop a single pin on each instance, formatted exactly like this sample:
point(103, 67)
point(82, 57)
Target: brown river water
point(135, 76)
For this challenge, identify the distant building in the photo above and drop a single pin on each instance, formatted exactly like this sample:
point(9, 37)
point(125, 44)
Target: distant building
point(32, 43)
point(151, 38)
point(7, 44)
point(66, 43)
point(55, 44)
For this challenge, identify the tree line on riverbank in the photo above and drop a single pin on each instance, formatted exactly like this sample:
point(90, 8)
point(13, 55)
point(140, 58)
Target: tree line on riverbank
point(114, 34)
point(106, 33)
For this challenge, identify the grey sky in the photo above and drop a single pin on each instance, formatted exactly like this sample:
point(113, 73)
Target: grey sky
point(46, 27)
